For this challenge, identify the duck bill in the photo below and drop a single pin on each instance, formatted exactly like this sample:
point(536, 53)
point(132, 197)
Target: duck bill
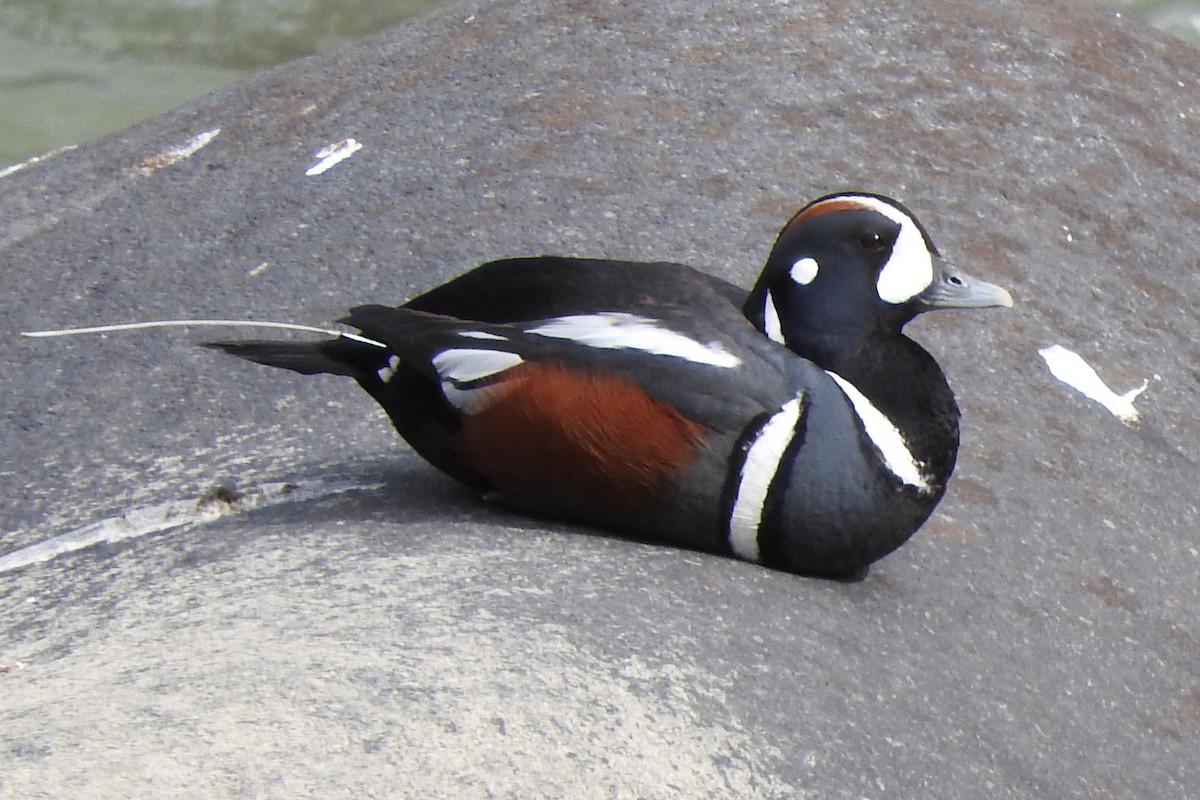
point(953, 288)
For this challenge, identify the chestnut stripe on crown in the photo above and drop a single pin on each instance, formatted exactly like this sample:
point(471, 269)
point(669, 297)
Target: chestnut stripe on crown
point(826, 207)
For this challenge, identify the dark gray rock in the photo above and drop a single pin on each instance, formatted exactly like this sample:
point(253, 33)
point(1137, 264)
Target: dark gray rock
point(376, 631)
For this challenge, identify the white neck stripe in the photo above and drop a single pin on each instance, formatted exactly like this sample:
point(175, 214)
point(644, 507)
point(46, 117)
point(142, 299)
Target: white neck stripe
point(771, 325)
point(886, 437)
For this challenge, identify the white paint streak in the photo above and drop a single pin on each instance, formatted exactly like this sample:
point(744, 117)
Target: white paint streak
point(759, 469)
point(804, 271)
point(29, 162)
point(173, 514)
point(333, 154)
point(483, 335)
point(771, 326)
point(176, 154)
point(621, 331)
point(885, 436)
point(1070, 368)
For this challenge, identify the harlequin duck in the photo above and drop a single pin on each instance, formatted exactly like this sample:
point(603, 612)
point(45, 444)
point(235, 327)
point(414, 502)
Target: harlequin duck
point(796, 427)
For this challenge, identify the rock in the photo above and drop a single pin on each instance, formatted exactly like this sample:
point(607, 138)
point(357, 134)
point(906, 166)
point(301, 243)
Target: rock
point(337, 620)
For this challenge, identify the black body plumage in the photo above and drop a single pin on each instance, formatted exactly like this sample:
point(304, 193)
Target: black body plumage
point(795, 426)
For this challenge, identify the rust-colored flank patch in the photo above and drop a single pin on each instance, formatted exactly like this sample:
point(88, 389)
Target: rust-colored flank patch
point(560, 439)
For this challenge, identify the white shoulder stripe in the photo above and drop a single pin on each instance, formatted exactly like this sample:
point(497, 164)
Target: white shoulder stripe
point(885, 436)
point(463, 365)
point(759, 469)
point(621, 331)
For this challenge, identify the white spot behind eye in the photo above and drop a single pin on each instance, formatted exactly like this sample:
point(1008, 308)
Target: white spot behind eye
point(804, 271)
point(759, 469)
point(885, 436)
point(621, 331)
point(771, 326)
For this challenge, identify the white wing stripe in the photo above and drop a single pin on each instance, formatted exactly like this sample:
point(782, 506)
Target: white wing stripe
point(621, 331)
point(463, 365)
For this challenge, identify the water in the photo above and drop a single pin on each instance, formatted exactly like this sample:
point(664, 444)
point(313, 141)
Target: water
point(74, 70)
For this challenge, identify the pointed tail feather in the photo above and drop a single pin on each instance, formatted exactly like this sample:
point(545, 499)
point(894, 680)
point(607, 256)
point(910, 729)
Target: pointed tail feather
point(333, 356)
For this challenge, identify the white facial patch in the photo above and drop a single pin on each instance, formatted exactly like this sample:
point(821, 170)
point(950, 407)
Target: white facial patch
point(621, 331)
point(759, 469)
point(464, 366)
point(909, 270)
point(771, 325)
point(804, 271)
point(885, 436)
point(385, 373)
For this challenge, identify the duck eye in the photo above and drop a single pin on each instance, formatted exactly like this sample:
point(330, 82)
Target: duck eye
point(872, 242)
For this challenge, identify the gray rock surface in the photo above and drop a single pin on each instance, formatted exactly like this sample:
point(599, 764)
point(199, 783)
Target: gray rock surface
point(375, 631)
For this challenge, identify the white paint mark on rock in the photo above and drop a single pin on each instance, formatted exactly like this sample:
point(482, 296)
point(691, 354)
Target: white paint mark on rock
point(138, 522)
point(1070, 368)
point(333, 154)
point(29, 162)
point(176, 154)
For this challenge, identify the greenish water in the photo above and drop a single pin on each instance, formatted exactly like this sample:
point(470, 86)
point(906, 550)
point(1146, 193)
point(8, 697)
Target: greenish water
point(74, 70)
